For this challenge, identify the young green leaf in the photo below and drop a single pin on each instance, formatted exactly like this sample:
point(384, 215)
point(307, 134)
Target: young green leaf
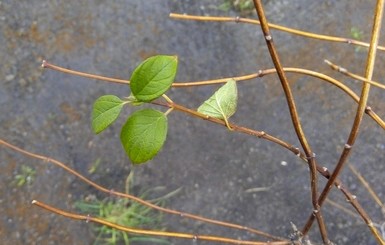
point(223, 103)
point(105, 111)
point(153, 77)
point(143, 134)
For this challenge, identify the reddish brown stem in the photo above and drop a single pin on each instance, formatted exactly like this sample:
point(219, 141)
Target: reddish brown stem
point(294, 117)
point(358, 118)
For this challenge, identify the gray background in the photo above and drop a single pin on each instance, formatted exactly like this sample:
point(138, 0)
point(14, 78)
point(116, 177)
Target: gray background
point(48, 112)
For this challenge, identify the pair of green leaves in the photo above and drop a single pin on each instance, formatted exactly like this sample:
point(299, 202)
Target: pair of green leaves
point(144, 132)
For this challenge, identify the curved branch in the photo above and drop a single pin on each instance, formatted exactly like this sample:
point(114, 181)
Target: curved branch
point(261, 73)
point(295, 119)
point(137, 231)
point(352, 75)
point(358, 118)
point(137, 199)
point(274, 26)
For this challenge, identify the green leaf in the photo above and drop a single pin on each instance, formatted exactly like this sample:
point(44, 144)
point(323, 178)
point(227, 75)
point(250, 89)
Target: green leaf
point(153, 77)
point(223, 103)
point(105, 111)
point(143, 134)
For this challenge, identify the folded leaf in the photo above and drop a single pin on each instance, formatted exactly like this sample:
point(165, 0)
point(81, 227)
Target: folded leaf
point(223, 103)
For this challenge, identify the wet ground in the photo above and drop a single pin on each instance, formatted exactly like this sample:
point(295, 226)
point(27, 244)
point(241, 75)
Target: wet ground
point(49, 112)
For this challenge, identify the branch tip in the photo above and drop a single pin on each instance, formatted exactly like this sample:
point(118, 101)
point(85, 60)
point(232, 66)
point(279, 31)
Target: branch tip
point(44, 64)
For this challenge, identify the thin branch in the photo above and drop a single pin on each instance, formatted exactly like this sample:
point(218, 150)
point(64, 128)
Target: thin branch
point(273, 26)
point(137, 199)
point(137, 231)
point(367, 186)
point(352, 75)
point(259, 134)
point(295, 119)
point(261, 73)
point(358, 118)
point(45, 64)
point(339, 206)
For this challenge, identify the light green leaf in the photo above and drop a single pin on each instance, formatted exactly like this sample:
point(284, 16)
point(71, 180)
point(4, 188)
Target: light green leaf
point(144, 134)
point(153, 77)
point(105, 111)
point(223, 103)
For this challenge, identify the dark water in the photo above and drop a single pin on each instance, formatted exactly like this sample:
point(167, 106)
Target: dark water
point(48, 112)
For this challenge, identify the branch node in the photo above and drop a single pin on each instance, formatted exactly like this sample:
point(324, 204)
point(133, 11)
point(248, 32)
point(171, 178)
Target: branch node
point(262, 133)
point(352, 198)
point(44, 64)
point(237, 19)
point(298, 152)
point(88, 218)
point(195, 238)
point(339, 187)
point(310, 157)
point(342, 70)
point(347, 146)
point(325, 169)
point(268, 37)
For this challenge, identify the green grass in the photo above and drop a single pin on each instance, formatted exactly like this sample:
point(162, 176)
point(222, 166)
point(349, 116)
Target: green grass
point(25, 176)
point(244, 7)
point(126, 213)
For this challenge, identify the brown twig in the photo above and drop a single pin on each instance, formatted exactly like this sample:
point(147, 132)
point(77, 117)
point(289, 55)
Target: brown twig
point(137, 231)
point(358, 118)
point(261, 73)
point(352, 75)
point(367, 186)
point(295, 119)
point(273, 26)
point(339, 206)
point(137, 199)
point(45, 64)
point(350, 197)
point(259, 134)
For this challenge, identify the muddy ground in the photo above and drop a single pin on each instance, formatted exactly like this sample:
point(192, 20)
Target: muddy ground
point(49, 112)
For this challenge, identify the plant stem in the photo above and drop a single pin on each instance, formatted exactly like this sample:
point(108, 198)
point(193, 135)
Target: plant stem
point(134, 198)
point(261, 73)
point(367, 186)
point(352, 75)
point(358, 118)
point(45, 64)
point(131, 230)
point(274, 26)
point(259, 134)
point(295, 119)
